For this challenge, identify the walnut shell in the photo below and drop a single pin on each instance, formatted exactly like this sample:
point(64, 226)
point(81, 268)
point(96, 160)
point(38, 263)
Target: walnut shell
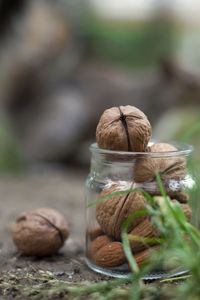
point(106, 253)
point(181, 196)
point(173, 167)
point(98, 243)
point(147, 229)
point(112, 212)
point(41, 232)
point(143, 256)
point(123, 128)
point(94, 233)
point(187, 211)
point(143, 229)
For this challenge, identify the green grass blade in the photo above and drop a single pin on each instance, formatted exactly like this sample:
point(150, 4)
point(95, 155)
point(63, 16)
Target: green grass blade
point(125, 239)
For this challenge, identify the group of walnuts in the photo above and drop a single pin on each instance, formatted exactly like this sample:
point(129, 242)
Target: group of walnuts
point(43, 231)
point(126, 128)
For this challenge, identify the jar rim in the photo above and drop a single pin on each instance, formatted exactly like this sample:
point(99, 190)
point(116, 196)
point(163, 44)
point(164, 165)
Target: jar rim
point(182, 150)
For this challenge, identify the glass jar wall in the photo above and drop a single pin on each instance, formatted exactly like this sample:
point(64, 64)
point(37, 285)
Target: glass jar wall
point(111, 197)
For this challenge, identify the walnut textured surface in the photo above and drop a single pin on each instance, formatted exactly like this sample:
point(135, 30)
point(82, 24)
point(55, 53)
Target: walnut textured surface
point(123, 128)
point(144, 229)
point(143, 256)
point(170, 167)
point(107, 253)
point(113, 211)
point(41, 232)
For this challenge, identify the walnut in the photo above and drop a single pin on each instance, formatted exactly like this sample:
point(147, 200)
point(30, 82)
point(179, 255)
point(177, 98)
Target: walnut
point(41, 232)
point(147, 229)
point(181, 196)
point(144, 256)
point(144, 229)
point(94, 233)
point(123, 128)
point(113, 211)
point(106, 253)
point(169, 167)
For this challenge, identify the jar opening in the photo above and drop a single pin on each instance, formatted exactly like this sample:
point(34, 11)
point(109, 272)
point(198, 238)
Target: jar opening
point(182, 150)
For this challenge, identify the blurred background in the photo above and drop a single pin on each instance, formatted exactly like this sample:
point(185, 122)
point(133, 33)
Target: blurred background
point(64, 62)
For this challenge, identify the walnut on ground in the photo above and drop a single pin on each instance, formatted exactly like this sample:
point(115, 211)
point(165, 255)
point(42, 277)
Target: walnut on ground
point(41, 232)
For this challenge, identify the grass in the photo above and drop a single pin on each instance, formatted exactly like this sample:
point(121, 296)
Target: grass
point(45, 285)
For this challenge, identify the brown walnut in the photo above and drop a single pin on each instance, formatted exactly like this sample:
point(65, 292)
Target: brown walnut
point(144, 229)
point(123, 128)
point(143, 256)
point(94, 233)
point(112, 212)
point(41, 232)
point(170, 167)
point(106, 253)
point(98, 243)
point(181, 196)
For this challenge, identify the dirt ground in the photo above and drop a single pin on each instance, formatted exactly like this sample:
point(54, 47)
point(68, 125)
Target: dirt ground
point(63, 191)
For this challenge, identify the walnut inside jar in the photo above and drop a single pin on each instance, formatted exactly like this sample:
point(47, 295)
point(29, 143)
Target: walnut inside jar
point(123, 128)
point(169, 167)
point(112, 212)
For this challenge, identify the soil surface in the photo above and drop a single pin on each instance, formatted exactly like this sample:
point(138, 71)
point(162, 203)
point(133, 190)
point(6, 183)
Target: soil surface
point(63, 191)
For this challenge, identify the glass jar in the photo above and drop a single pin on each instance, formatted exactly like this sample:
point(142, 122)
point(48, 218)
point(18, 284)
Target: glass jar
point(113, 172)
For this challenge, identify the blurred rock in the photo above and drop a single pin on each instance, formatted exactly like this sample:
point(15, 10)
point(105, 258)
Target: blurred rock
point(60, 125)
